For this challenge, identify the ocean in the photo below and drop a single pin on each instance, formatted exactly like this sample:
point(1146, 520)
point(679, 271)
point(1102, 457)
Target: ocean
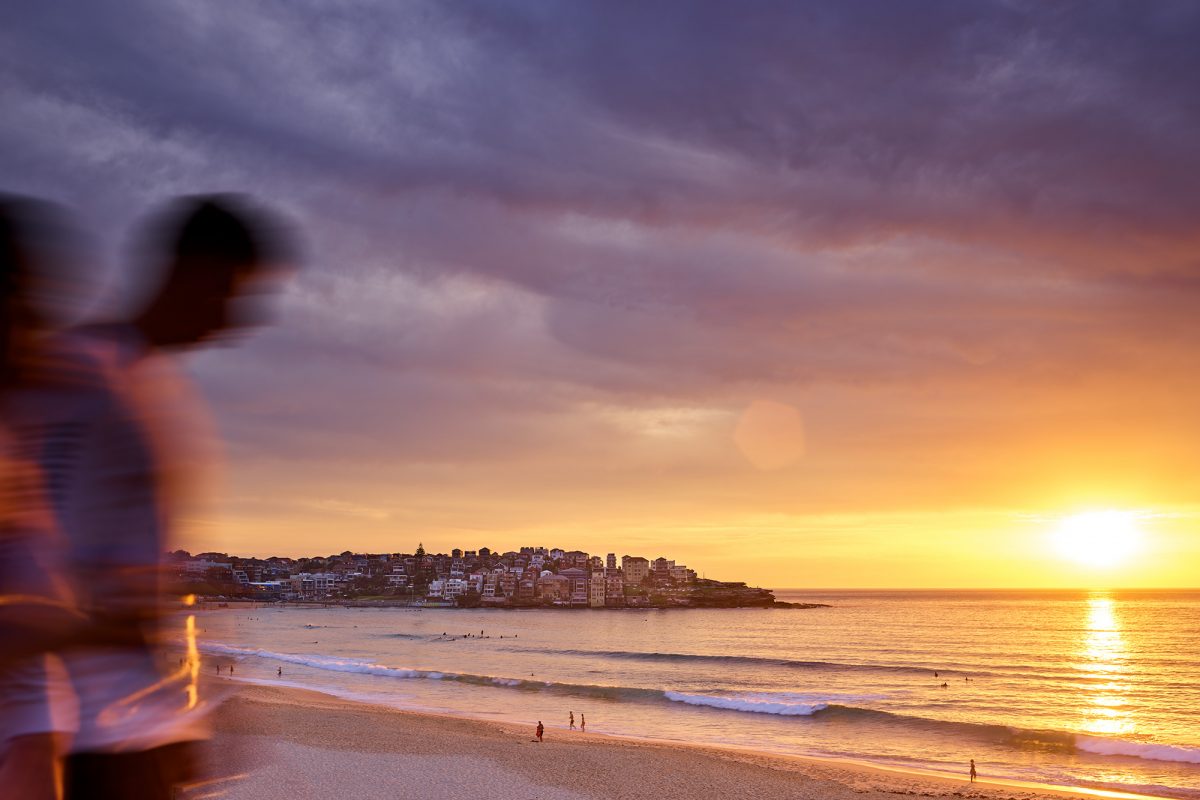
point(1093, 689)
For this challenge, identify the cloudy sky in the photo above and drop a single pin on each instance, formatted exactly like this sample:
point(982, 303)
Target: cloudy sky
point(810, 294)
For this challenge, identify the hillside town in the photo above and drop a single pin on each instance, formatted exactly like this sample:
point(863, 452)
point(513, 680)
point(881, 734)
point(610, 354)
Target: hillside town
point(528, 578)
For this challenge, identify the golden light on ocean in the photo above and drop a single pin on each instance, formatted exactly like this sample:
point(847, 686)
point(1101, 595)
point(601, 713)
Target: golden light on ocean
point(1105, 661)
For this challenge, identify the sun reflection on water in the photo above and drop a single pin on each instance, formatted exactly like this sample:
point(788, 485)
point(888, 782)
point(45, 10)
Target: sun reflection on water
point(1105, 662)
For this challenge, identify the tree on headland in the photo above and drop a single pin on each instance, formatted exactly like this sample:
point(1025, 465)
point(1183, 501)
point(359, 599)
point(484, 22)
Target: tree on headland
point(420, 550)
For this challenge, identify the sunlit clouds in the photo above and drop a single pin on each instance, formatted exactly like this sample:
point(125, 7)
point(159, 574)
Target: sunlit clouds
point(839, 295)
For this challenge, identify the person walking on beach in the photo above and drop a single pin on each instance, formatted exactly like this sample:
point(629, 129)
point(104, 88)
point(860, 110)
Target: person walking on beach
point(38, 609)
point(136, 437)
point(280, 673)
point(582, 723)
point(972, 770)
point(572, 716)
point(540, 731)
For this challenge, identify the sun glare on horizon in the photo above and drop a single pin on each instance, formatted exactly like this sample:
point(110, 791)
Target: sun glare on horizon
point(1100, 539)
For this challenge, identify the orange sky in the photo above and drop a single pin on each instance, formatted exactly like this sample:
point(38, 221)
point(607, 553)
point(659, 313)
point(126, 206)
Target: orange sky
point(850, 486)
point(824, 295)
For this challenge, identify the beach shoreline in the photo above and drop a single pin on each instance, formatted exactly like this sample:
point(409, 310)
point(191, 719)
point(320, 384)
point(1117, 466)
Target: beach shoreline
point(293, 743)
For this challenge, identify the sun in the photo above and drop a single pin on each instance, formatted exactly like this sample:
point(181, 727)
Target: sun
point(1101, 539)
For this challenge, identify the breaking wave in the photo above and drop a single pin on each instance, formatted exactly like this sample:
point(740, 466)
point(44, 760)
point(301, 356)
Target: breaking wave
point(360, 667)
point(756, 703)
point(946, 670)
point(323, 662)
point(1148, 750)
point(635, 655)
point(779, 704)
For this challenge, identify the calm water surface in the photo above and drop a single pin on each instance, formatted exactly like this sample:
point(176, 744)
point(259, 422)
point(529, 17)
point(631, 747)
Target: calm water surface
point(1097, 689)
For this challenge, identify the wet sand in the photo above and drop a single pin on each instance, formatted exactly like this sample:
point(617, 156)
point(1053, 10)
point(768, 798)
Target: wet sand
point(292, 744)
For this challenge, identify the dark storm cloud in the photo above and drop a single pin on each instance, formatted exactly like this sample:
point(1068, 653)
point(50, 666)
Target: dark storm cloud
point(792, 118)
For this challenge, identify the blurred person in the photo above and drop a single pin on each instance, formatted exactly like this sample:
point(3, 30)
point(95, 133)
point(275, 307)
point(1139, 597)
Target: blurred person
point(119, 488)
point(37, 612)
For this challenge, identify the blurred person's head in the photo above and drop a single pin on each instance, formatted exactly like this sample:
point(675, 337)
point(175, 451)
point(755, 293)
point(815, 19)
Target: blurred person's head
point(216, 253)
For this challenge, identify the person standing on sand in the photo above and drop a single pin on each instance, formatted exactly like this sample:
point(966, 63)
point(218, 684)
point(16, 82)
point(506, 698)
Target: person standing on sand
point(572, 717)
point(280, 673)
point(582, 723)
point(972, 770)
point(540, 731)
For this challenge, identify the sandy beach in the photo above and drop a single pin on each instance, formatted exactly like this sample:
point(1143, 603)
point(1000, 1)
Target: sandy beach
point(292, 744)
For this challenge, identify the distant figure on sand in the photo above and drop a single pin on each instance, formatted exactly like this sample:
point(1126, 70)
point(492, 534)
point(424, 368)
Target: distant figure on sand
point(582, 722)
point(572, 715)
point(280, 673)
point(972, 770)
point(944, 685)
point(541, 730)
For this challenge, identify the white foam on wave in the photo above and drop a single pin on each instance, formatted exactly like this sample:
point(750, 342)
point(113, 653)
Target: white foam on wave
point(360, 667)
point(756, 703)
point(324, 662)
point(1147, 750)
